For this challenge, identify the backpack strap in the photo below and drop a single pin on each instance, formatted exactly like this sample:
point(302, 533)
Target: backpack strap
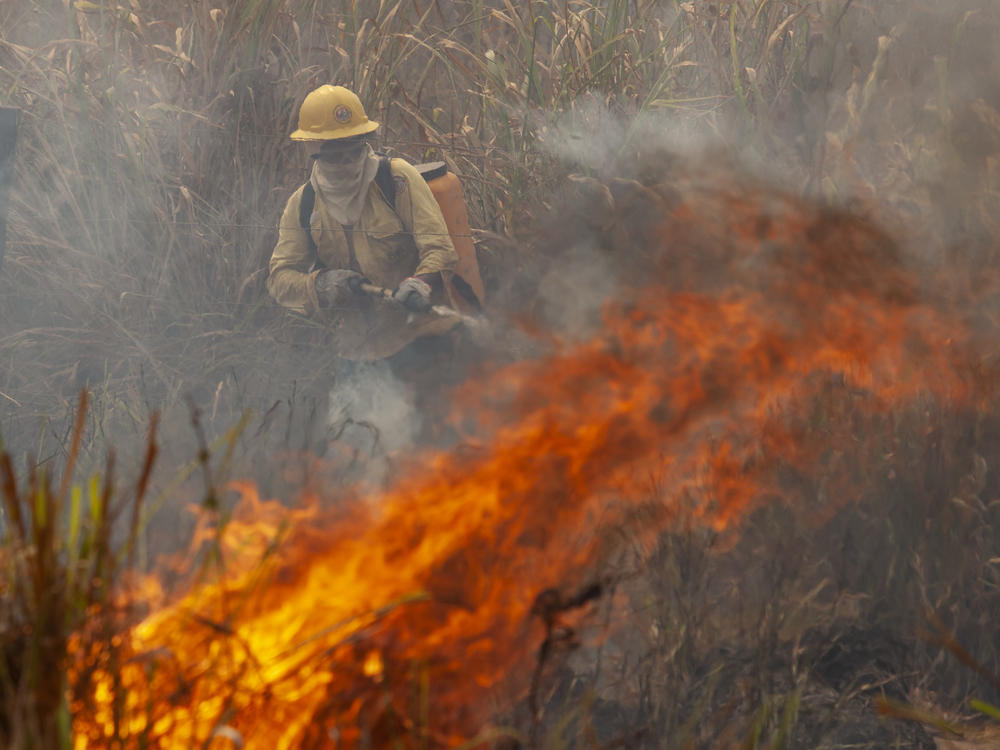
point(306, 206)
point(383, 178)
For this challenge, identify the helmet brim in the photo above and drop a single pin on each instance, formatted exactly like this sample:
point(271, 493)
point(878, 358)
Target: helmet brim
point(334, 135)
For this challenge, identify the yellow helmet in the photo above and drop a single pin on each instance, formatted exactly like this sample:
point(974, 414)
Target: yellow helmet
point(332, 112)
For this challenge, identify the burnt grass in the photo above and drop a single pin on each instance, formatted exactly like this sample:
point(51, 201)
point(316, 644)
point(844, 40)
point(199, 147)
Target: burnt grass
point(804, 631)
point(799, 632)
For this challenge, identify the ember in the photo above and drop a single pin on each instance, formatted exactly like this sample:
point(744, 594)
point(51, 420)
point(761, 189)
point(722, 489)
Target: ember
point(738, 309)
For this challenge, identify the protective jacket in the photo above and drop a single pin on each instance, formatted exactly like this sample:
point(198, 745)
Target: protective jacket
point(386, 245)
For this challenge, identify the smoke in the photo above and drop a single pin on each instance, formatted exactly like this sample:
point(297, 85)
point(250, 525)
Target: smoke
point(883, 116)
point(888, 117)
point(570, 296)
point(905, 131)
point(373, 414)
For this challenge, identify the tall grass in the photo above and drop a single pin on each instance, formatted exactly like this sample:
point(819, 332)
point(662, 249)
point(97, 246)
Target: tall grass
point(154, 160)
point(61, 566)
point(153, 164)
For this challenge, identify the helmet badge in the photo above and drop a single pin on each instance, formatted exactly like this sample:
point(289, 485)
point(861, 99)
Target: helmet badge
point(342, 114)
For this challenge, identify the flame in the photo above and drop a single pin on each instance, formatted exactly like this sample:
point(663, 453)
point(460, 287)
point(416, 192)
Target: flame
point(374, 666)
point(682, 404)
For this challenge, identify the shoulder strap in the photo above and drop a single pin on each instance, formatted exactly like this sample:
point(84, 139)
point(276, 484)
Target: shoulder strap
point(383, 178)
point(306, 206)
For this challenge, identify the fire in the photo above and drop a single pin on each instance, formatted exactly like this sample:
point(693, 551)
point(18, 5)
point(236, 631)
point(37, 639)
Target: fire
point(374, 667)
point(739, 311)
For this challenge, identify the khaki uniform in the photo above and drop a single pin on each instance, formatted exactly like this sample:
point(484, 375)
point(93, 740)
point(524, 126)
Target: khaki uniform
point(384, 245)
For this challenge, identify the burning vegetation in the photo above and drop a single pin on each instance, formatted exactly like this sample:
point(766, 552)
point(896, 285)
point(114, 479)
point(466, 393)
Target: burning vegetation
point(726, 477)
point(759, 351)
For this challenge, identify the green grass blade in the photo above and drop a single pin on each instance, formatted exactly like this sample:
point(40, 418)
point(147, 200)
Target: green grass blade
point(986, 708)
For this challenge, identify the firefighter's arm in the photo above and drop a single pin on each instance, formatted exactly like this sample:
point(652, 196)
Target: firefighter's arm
point(420, 214)
point(289, 280)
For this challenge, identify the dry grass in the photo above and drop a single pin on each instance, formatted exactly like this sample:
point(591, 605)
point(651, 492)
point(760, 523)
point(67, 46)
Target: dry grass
point(153, 164)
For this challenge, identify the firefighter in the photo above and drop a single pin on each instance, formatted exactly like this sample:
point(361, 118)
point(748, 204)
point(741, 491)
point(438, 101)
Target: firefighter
point(356, 235)
point(365, 220)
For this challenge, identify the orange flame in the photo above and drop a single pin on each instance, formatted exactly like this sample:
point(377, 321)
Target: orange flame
point(373, 666)
point(683, 404)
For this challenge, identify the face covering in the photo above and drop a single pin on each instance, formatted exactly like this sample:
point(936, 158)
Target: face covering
point(343, 187)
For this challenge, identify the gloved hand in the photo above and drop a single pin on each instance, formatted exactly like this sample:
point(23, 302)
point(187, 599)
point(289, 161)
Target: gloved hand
point(337, 286)
point(415, 294)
